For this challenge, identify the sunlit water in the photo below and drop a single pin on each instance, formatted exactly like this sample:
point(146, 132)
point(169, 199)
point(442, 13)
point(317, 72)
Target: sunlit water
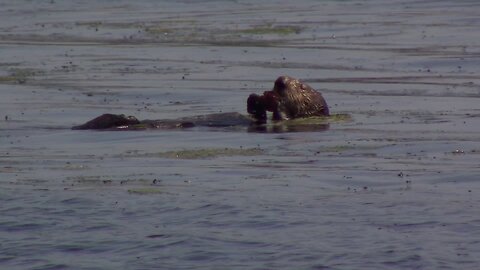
point(394, 188)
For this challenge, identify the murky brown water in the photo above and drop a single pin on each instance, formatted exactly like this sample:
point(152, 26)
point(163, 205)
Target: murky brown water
point(395, 188)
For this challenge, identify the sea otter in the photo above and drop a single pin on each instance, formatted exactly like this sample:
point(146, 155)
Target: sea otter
point(289, 99)
point(122, 122)
point(108, 120)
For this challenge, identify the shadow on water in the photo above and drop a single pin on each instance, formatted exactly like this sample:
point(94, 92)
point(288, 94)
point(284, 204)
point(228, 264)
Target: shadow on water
point(284, 128)
point(310, 124)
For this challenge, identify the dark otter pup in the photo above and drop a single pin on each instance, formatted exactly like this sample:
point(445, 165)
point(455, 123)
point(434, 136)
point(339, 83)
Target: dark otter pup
point(289, 98)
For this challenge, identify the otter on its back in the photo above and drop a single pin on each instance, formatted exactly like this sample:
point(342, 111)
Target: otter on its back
point(288, 99)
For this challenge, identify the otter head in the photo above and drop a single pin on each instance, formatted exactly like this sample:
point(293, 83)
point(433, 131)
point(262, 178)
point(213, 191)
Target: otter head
point(281, 85)
point(289, 98)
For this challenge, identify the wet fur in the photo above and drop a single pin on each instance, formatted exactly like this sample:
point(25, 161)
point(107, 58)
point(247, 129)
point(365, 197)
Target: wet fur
point(289, 98)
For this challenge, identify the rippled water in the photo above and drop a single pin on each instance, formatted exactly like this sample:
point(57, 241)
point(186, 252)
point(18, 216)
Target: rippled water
point(395, 188)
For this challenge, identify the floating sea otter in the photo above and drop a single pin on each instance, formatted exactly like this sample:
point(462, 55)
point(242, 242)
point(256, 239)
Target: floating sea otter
point(123, 122)
point(289, 99)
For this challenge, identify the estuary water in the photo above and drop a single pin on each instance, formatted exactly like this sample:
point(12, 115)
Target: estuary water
point(394, 187)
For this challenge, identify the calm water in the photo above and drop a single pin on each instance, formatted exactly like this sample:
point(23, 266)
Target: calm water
point(395, 188)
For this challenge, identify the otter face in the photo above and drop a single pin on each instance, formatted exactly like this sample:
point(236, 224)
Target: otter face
point(281, 85)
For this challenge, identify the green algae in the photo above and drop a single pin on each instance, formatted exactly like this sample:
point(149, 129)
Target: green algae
point(157, 30)
point(271, 30)
point(139, 127)
point(111, 25)
point(354, 148)
point(89, 23)
point(308, 124)
point(169, 27)
point(315, 120)
point(337, 148)
point(18, 75)
point(210, 153)
point(8, 79)
point(145, 191)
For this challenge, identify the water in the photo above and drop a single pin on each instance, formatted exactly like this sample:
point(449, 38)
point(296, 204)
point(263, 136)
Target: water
point(396, 188)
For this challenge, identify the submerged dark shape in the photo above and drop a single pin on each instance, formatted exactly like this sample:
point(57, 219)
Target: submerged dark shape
point(289, 99)
point(120, 121)
point(106, 121)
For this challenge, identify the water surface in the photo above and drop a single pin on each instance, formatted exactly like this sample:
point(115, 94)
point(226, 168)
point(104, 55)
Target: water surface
point(395, 188)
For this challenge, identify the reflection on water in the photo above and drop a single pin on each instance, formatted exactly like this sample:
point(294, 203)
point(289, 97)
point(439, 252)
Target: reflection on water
point(282, 128)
